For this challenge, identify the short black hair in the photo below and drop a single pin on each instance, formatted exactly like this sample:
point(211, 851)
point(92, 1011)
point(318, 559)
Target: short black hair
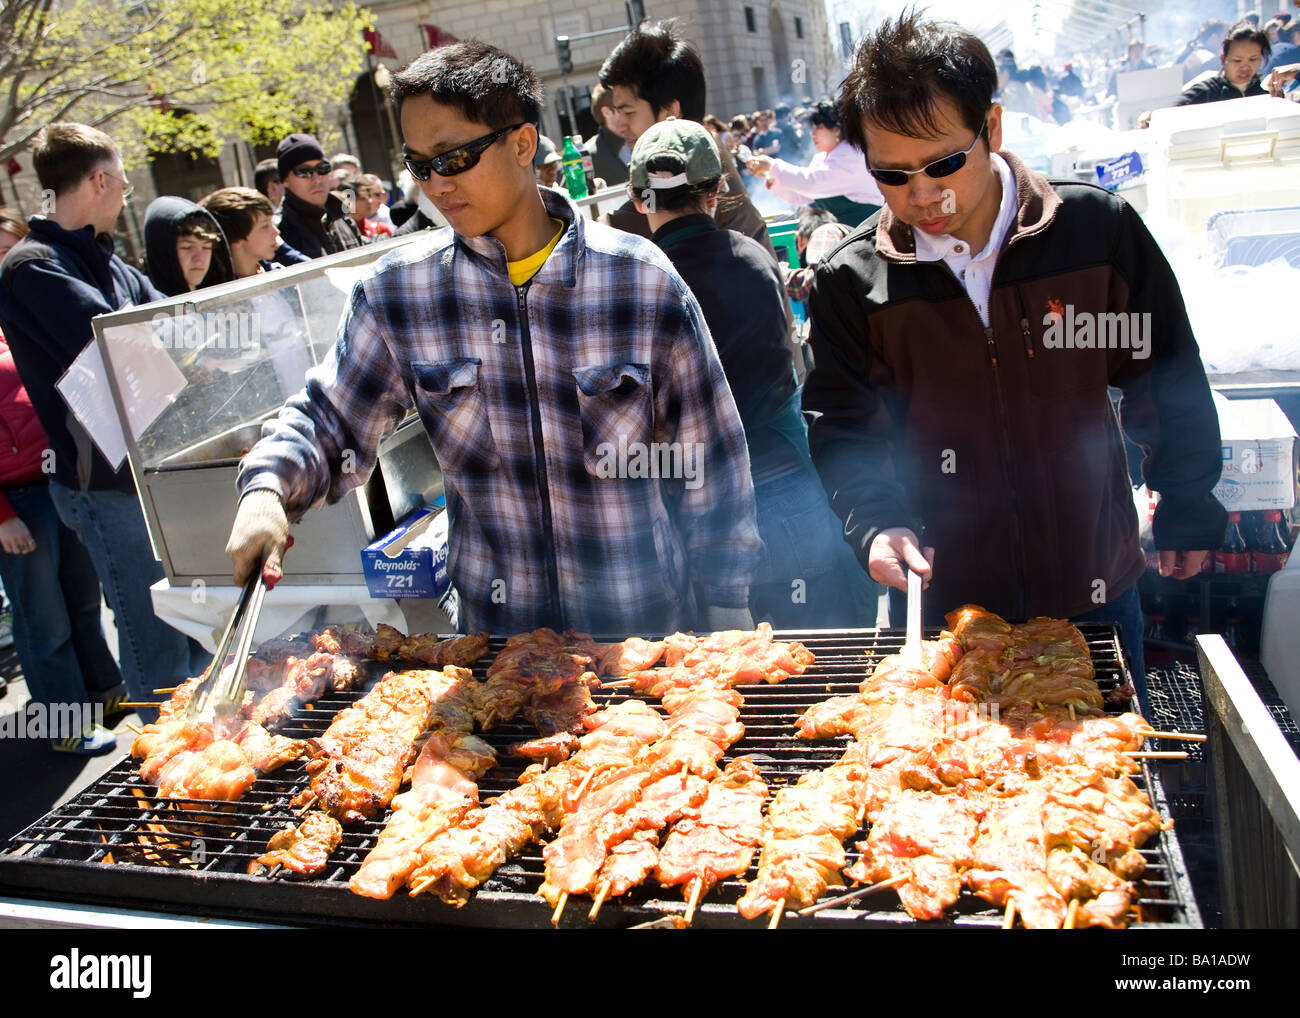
point(1244, 31)
point(659, 66)
point(810, 218)
point(266, 172)
point(487, 85)
point(903, 70)
point(1034, 76)
point(783, 110)
point(1211, 30)
point(824, 114)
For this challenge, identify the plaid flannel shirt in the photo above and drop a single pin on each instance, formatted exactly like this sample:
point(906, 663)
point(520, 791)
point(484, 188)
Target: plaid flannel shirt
point(798, 282)
point(532, 397)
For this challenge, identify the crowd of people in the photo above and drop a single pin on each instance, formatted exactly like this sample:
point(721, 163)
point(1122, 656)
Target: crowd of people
point(1221, 61)
point(668, 323)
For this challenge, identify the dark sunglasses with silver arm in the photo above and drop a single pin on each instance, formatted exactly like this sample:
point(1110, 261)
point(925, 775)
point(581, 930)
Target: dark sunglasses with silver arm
point(456, 160)
point(939, 168)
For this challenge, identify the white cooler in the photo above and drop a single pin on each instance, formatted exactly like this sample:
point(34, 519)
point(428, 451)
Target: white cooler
point(1279, 648)
point(1236, 154)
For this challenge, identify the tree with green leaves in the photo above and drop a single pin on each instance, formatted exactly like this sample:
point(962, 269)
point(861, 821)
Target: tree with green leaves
point(235, 68)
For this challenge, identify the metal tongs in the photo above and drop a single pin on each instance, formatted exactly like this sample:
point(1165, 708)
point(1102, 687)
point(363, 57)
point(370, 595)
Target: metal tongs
point(912, 644)
point(222, 691)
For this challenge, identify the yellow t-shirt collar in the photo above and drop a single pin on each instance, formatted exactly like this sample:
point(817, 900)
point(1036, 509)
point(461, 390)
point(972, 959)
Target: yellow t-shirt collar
point(524, 269)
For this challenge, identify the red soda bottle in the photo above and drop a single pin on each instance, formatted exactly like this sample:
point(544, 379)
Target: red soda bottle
point(1270, 554)
point(1233, 555)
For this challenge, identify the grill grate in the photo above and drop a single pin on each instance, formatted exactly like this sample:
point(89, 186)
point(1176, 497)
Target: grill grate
point(63, 853)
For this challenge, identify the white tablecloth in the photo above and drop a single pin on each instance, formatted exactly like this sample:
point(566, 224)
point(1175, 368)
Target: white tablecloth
point(203, 611)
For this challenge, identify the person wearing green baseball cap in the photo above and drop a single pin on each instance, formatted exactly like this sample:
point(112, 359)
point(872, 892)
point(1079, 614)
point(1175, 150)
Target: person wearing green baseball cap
point(676, 180)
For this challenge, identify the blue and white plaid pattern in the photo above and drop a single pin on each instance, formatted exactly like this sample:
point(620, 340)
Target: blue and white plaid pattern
point(621, 355)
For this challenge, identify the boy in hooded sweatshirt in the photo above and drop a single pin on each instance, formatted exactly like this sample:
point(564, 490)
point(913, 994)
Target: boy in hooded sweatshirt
point(184, 246)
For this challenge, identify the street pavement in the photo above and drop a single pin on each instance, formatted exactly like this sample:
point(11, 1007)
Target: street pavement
point(33, 778)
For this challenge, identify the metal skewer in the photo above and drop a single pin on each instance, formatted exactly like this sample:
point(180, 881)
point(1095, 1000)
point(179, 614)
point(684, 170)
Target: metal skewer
point(861, 892)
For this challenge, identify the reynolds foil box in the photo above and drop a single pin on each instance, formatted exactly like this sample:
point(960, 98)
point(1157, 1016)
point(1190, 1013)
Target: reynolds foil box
point(410, 560)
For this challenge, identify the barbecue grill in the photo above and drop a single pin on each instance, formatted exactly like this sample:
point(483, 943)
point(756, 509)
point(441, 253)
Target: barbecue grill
point(195, 857)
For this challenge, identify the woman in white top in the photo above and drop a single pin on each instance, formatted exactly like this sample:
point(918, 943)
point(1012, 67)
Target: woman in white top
point(836, 179)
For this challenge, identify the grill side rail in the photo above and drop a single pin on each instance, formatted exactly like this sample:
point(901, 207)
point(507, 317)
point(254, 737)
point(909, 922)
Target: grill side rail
point(1255, 788)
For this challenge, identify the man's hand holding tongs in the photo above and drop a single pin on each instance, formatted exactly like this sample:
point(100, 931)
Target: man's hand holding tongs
point(259, 536)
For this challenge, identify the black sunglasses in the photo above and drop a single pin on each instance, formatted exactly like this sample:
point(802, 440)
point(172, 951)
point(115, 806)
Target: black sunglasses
point(321, 169)
point(939, 168)
point(456, 160)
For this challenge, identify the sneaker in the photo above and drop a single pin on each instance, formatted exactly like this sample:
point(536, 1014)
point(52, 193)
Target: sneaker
point(113, 708)
point(6, 630)
point(93, 741)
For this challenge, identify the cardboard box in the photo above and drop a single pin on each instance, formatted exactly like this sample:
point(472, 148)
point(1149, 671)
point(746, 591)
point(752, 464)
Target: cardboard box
point(410, 560)
point(1259, 455)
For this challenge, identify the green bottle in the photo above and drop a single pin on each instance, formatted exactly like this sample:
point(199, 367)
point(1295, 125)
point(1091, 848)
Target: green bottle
point(575, 177)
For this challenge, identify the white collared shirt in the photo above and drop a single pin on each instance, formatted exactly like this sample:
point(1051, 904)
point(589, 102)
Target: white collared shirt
point(975, 272)
point(842, 171)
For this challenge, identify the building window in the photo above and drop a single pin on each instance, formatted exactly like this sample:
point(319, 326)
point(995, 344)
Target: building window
point(749, 20)
point(798, 28)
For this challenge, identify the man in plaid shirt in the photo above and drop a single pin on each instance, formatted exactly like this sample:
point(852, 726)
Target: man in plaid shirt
point(594, 463)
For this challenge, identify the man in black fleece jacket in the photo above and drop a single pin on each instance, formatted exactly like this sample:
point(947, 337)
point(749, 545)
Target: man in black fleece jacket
point(313, 219)
point(965, 340)
point(52, 284)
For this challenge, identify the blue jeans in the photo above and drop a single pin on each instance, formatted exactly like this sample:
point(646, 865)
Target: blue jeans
point(58, 634)
point(810, 578)
point(1126, 610)
point(111, 525)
